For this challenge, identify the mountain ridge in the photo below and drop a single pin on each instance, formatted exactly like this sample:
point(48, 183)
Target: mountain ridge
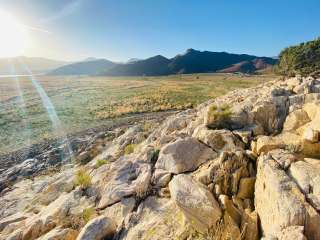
point(192, 61)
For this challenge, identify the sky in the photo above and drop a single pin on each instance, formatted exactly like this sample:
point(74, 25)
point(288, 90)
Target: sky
point(122, 29)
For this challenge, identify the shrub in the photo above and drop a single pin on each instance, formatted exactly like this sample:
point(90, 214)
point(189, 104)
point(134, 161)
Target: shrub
point(87, 214)
point(82, 179)
point(100, 162)
point(219, 117)
point(129, 148)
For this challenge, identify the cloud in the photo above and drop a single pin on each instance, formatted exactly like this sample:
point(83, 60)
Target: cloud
point(65, 11)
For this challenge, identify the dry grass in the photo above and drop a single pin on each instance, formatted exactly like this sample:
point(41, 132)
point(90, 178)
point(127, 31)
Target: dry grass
point(85, 102)
point(82, 179)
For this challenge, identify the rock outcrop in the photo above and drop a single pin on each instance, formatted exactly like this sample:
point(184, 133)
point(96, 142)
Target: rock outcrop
point(257, 177)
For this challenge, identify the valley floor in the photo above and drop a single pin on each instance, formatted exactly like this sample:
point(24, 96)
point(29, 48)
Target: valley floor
point(86, 102)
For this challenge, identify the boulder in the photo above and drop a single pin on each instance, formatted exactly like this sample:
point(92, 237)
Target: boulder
point(218, 140)
point(184, 155)
point(295, 120)
point(50, 216)
point(156, 219)
point(280, 203)
point(60, 234)
point(125, 177)
point(249, 225)
point(195, 201)
point(307, 175)
point(246, 188)
point(97, 229)
point(284, 140)
point(161, 178)
point(119, 211)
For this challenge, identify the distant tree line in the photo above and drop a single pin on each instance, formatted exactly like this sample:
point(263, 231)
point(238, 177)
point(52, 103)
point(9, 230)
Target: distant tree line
point(303, 59)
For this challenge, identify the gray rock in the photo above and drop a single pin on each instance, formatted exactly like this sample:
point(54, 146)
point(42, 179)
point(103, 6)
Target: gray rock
point(184, 155)
point(97, 229)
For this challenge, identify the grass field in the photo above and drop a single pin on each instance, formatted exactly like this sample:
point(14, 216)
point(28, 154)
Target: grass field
point(85, 102)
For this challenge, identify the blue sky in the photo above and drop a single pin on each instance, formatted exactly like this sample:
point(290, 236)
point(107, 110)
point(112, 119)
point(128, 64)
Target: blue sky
point(123, 29)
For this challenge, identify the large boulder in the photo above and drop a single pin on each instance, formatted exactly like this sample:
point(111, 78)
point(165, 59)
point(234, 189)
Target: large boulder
point(125, 177)
point(219, 140)
point(307, 175)
point(184, 155)
point(97, 229)
point(280, 203)
point(197, 203)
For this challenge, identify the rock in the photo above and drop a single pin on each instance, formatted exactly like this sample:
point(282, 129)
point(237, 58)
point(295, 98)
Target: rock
point(293, 82)
point(246, 188)
point(307, 175)
point(268, 143)
point(311, 135)
point(229, 207)
point(195, 201)
point(156, 219)
point(218, 140)
point(292, 232)
point(50, 216)
point(312, 109)
point(125, 177)
point(119, 211)
point(83, 157)
point(295, 120)
point(97, 229)
point(184, 155)
point(228, 172)
point(18, 217)
point(60, 234)
point(280, 203)
point(283, 157)
point(249, 225)
point(161, 178)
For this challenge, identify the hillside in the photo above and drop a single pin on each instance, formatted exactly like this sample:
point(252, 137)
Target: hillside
point(91, 67)
point(302, 59)
point(242, 166)
point(256, 64)
point(35, 64)
point(154, 66)
point(192, 61)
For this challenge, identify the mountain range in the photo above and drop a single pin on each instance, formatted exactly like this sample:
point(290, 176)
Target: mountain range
point(192, 61)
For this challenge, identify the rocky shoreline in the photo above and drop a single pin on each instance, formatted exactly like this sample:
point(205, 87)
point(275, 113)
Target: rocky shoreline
point(242, 166)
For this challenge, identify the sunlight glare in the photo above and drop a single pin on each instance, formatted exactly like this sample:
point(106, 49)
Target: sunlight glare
point(14, 36)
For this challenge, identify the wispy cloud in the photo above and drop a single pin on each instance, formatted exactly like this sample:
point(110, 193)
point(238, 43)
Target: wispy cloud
point(65, 11)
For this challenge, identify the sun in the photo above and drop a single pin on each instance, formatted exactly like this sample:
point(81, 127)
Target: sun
point(13, 36)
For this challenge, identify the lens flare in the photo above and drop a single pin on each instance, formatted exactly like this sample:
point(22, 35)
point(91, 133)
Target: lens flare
point(53, 116)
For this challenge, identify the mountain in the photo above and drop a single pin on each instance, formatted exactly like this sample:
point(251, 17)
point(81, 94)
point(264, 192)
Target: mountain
point(250, 66)
point(35, 64)
point(192, 61)
point(157, 65)
point(91, 67)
